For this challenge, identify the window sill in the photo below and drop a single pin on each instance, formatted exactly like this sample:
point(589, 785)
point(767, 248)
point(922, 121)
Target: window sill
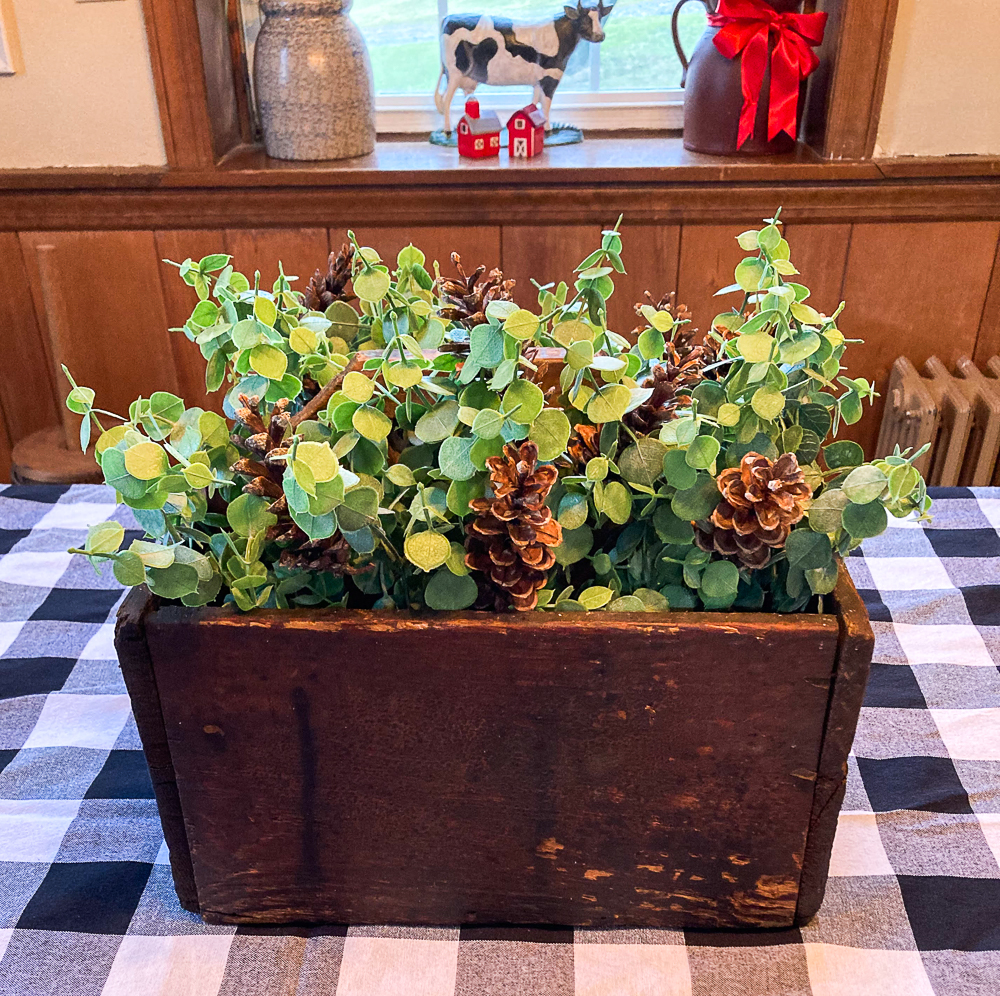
point(632, 157)
point(398, 161)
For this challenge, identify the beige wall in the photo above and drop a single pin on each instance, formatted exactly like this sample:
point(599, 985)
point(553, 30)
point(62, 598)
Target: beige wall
point(942, 94)
point(86, 97)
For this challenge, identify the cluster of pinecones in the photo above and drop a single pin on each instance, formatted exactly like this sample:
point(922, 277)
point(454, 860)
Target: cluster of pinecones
point(761, 501)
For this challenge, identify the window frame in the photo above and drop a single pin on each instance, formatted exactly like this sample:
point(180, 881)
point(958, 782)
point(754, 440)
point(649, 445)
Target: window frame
point(198, 67)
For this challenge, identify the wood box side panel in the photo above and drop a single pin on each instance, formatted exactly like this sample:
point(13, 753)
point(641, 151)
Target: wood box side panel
point(140, 680)
point(357, 767)
point(854, 655)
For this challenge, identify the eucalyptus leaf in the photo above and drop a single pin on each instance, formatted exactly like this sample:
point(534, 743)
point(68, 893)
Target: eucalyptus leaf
point(448, 592)
point(864, 484)
point(677, 471)
point(573, 509)
point(616, 502)
point(826, 512)
point(454, 458)
point(697, 502)
point(642, 462)
point(720, 580)
point(550, 431)
point(702, 452)
point(576, 544)
point(609, 404)
point(843, 453)
point(865, 521)
point(427, 550)
point(808, 549)
point(439, 423)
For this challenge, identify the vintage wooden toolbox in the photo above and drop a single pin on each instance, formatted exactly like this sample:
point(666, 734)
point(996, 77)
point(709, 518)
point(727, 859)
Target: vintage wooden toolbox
point(672, 770)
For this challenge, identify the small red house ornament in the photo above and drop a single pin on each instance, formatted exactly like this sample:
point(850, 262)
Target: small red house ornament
point(478, 137)
point(526, 132)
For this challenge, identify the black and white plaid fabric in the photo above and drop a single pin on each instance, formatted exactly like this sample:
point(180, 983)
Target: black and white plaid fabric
point(912, 909)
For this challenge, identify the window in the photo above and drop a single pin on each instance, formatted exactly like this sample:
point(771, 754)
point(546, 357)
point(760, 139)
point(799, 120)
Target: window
point(631, 80)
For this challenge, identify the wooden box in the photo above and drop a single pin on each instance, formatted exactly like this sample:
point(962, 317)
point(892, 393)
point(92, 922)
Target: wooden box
point(672, 770)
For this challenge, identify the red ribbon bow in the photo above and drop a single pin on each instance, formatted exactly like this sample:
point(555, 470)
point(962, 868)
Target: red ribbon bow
point(746, 27)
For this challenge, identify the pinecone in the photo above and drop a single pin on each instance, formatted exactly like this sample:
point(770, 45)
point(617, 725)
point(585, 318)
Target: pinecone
point(511, 539)
point(464, 298)
point(679, 312)
point(673, 380)
point(760, 503)
point(329, 556)
point(266, 467)
point(323, 291)
point(584, 445)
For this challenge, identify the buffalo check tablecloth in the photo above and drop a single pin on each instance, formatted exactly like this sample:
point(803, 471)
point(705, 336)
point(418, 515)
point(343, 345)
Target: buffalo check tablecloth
point(913, 905)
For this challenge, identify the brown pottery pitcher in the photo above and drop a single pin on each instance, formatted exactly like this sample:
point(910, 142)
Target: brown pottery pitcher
point(714, 95)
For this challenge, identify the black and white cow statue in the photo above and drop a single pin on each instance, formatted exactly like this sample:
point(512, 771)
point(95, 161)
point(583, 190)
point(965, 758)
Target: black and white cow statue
point(479, 48)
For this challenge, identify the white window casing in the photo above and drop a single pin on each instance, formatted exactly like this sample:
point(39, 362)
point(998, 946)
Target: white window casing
point(611, 110)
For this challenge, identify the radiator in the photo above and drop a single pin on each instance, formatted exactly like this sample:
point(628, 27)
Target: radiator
point(957, 413)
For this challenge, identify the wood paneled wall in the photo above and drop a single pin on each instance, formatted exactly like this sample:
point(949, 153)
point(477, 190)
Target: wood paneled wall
point(917, 288)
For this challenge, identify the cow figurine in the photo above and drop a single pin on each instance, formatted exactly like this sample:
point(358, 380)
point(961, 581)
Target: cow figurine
point(479, 48)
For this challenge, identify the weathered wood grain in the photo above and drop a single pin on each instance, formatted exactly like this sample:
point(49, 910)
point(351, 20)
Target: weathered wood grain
point(820, 253)
point(360, 767)
point(988, 341)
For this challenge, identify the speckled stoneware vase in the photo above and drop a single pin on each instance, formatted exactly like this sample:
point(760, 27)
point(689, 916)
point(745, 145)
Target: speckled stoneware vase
point(313, 81)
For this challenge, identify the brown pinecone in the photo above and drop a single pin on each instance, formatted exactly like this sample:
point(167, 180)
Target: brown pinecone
point(266, 442)
point(760, 503)
point(329, 556)
point(323, 291)
point(584, 445)
point(679, 312)
point(464, 298)
point(673, 381)
point(511, 539)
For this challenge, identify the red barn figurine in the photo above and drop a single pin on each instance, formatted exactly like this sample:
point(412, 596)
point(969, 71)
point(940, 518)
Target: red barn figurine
point(478, 137)
point(526, 132)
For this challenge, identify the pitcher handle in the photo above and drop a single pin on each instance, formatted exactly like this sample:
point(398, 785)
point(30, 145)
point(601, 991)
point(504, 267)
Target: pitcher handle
point(685, 62)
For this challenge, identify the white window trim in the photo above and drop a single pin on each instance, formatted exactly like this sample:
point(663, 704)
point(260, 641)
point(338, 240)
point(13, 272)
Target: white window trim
point(604, 110)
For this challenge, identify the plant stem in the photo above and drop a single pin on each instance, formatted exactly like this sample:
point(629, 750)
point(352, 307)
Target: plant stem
point(318, 403)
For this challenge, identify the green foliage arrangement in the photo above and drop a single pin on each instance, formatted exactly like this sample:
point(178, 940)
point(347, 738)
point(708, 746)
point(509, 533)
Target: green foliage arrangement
point(426, 442)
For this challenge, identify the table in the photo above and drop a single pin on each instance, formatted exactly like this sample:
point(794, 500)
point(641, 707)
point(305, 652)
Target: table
point(913, 905)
